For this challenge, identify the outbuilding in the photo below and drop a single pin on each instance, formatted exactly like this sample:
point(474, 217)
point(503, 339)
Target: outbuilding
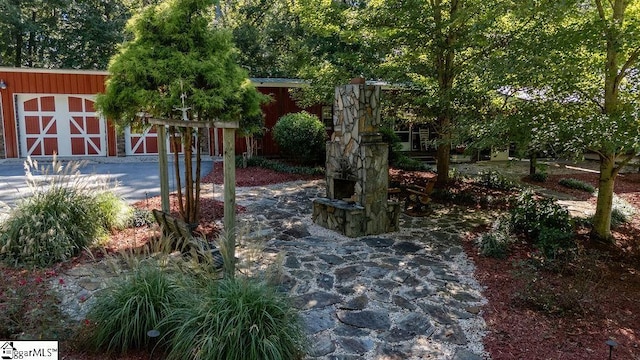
point(47, 111)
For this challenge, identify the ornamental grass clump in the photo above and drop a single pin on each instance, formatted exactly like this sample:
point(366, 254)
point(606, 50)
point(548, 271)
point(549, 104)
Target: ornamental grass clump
point(115, 214)
point(234, 319)
point(61, 216)
point(130, 307)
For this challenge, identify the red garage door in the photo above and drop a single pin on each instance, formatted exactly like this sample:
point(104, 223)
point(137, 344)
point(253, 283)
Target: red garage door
point(64, 124)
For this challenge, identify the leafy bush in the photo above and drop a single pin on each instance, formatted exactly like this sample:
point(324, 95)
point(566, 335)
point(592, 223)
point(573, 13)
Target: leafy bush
point(406, 163)
point(493, 245)
point(282, 167)
point(141, 217)
point(539, 177)
point(234, 318)
point(496, 242)
point(577, 184)
point(495, 180)
point(125, 311)
point(554, 242)
point(542, 220)
point(390, 137)
point(301, 136)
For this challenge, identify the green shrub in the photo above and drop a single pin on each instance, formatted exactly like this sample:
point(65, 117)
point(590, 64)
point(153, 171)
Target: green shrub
point(577, 184)
point(496, 242)
point(539, 177)
point(49, 227)
point(542, 220)
point(60, 216)
point(618, 217)
point(495, 180)
point(301, 136)
point(125, 311)
point(553, 242)
point(390, 137)
point(282, 167)
point(234, 318)
point(113, 211)
point(406, 163)
point(141, 217)
point(493, 245)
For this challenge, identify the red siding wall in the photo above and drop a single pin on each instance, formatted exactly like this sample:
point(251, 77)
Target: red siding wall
point(30, 81)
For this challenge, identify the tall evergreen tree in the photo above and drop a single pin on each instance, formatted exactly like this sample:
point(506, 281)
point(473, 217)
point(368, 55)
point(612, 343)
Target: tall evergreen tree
point(177, 59)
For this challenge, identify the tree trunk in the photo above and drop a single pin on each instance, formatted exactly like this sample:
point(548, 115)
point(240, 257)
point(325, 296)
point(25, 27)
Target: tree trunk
point(444, 63)
point(533, 162)
point(17, 62)
point(608, 171)
point(602, 218)
point(176, 165)
point(443, 157)
point(31, 43)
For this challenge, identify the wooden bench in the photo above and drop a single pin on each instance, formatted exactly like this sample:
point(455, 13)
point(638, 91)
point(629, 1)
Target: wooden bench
point(419, 197)
point(393, 192)
point(183, 240)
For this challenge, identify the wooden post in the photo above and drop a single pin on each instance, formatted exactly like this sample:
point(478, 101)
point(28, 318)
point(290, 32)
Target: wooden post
point(229, 140)
point(164, 170)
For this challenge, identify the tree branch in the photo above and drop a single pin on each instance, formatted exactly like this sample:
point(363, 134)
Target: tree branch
point(595, 101)
point(635, 54)
point(601, 13)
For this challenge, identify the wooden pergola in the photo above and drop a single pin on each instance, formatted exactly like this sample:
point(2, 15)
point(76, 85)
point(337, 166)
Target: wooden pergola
point(229, 162)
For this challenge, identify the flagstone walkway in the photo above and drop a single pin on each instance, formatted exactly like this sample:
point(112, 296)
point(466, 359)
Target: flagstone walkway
point(404, 295)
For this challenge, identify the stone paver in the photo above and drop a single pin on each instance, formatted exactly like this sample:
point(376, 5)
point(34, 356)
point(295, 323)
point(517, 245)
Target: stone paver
point(404, 295)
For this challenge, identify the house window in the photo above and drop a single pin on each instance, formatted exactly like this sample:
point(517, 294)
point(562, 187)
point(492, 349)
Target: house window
point(327, 117)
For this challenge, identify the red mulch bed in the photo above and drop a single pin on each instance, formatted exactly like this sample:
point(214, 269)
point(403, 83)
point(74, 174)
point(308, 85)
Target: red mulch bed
point(254, 176)
point(600, 294)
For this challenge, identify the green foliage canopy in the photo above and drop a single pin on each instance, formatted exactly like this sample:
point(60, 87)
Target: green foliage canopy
point(175, 52)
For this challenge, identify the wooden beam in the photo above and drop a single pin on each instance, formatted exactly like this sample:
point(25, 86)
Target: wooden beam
point(194, 124)
point(229, 142)
point(164, 169)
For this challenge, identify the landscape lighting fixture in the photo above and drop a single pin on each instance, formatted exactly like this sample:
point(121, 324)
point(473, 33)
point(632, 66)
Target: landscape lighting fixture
point(3, 85)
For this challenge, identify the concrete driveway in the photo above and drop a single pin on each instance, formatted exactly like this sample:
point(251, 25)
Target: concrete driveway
point(132, 178)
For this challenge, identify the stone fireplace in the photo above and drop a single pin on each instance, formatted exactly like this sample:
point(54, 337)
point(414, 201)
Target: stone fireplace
point(357, 169)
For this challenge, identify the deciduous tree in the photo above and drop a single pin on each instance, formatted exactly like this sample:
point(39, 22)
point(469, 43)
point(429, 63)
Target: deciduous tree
point(583, 56)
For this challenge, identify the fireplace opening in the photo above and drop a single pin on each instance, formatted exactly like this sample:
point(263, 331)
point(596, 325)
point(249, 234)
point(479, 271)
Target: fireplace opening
point(343, 189)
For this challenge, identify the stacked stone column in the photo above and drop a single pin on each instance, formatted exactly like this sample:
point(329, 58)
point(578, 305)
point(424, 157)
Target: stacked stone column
point(357, 153)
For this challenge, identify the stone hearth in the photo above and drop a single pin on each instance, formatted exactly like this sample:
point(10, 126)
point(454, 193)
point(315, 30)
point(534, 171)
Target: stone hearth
point(357, 169)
